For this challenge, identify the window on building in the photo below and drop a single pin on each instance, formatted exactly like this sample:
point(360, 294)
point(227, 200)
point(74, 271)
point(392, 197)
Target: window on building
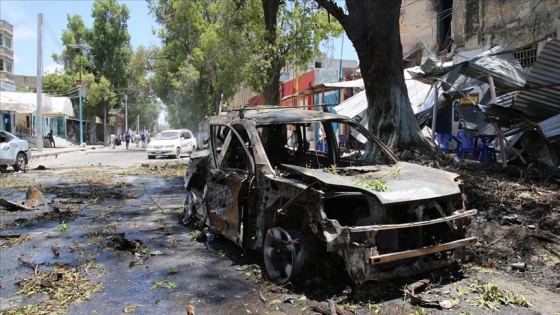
point(1, 39)
point(8, 42)
point(526, 55)
point(9, 68)
point(1, 64)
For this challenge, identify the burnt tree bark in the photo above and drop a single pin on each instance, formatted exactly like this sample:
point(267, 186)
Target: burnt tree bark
point(373, 29)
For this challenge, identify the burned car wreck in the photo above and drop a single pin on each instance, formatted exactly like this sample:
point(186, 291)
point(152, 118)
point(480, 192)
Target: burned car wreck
point(265, 185)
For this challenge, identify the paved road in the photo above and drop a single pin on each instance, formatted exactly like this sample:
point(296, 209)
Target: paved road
point(95, 155)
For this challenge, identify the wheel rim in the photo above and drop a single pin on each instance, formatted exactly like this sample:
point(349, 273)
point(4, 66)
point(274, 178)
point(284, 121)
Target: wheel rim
point(284, 254)
point(178, 152)
point(20, 162)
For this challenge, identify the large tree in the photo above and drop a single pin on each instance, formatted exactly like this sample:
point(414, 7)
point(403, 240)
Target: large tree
point(143, 106)
point(292, 32)
point(110, 41)
point(211, 47)
point(373, 28)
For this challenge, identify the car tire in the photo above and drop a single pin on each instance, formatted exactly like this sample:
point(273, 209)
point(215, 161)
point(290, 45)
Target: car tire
point(284, 254)
point(21, 162)
point(151, 157)
point(178, 155)
point(193, 149)
point(3, 168)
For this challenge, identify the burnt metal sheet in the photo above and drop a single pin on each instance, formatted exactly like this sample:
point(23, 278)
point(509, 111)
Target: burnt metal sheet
point(414, 182)
point(550, 128)
point(500, 62)
point(269, 115)
point(454, 216)
point(540, 96)
point(385, 258)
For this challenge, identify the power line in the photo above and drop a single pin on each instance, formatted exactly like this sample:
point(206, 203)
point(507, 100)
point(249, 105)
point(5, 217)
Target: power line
point(52, 35)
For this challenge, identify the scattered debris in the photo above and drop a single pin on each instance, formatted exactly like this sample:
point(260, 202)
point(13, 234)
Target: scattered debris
point(519, 266)
point(34, 198)
point(119, 242)
point(12, 206)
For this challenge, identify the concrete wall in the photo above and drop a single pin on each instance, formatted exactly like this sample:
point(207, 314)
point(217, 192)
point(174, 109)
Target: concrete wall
point(478, 23)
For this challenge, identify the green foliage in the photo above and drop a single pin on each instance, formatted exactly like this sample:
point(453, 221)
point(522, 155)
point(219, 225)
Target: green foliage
point(377, 184)
point(212, 47)
point(163, 284)
point(491, 297)
point(110, 41)
point(63, 227)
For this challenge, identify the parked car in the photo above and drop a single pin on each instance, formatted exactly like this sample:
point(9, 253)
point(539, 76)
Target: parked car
point(172, 143)
point(13, 152)
point(265, 184)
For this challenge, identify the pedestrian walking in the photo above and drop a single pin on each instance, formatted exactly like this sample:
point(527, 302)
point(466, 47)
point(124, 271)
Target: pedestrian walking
point(127, 139)
point(113, 138)
point(143, 139)
point(51, 139)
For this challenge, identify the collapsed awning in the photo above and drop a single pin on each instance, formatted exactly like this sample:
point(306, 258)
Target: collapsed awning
point(421, 96)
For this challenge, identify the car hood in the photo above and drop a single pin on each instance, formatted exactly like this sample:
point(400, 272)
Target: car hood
point(405, 181)
point(164, 142)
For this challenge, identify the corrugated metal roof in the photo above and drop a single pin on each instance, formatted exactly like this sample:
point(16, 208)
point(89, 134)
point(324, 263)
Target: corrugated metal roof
point(541, 94)
point(353, 106)
point(500, 62)
point(550, 128)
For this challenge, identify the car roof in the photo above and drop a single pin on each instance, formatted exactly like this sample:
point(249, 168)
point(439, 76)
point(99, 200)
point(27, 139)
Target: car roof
point(175, 130)
point(266, 115)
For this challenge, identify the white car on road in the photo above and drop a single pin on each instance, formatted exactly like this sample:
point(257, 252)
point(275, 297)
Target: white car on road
point(13, 152)
point(172, 143)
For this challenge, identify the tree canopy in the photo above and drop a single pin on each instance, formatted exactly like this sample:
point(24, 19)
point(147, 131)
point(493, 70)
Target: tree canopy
point(209, 48)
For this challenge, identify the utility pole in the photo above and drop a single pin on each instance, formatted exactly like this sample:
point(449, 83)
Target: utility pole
point(40, 83)
point(79, 84)
point(125, 113)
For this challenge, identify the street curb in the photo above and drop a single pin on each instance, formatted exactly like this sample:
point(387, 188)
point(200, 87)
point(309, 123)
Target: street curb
point(54, 151)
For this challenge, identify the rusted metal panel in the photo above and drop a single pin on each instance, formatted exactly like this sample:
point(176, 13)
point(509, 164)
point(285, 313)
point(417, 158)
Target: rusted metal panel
point(455, 216)
point(381, 259)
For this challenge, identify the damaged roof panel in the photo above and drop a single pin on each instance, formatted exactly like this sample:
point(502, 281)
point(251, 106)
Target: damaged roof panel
point(541, 94)
point(550, 128)
point(500, 62)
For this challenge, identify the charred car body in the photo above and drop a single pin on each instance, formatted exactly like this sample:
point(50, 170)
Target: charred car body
point(262, 185)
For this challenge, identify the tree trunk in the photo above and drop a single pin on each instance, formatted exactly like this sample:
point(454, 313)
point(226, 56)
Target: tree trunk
point(373, 29)
point(92, 128)
point(270, 91)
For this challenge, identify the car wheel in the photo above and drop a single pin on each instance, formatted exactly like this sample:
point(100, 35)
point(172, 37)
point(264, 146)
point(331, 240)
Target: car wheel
point(3, 168)
point(151, 157)
point(21, 162)
point(178, 155)
point(284, 254)
point(193, 149)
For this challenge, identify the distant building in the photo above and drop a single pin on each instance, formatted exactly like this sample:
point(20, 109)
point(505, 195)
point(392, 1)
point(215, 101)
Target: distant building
point(6, 57)
point(320, 71)
point(6, 70)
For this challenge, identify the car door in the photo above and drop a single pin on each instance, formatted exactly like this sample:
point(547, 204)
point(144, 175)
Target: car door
point(7, 149)
point(183, 140)
point(227, 191)
point(188, 141)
